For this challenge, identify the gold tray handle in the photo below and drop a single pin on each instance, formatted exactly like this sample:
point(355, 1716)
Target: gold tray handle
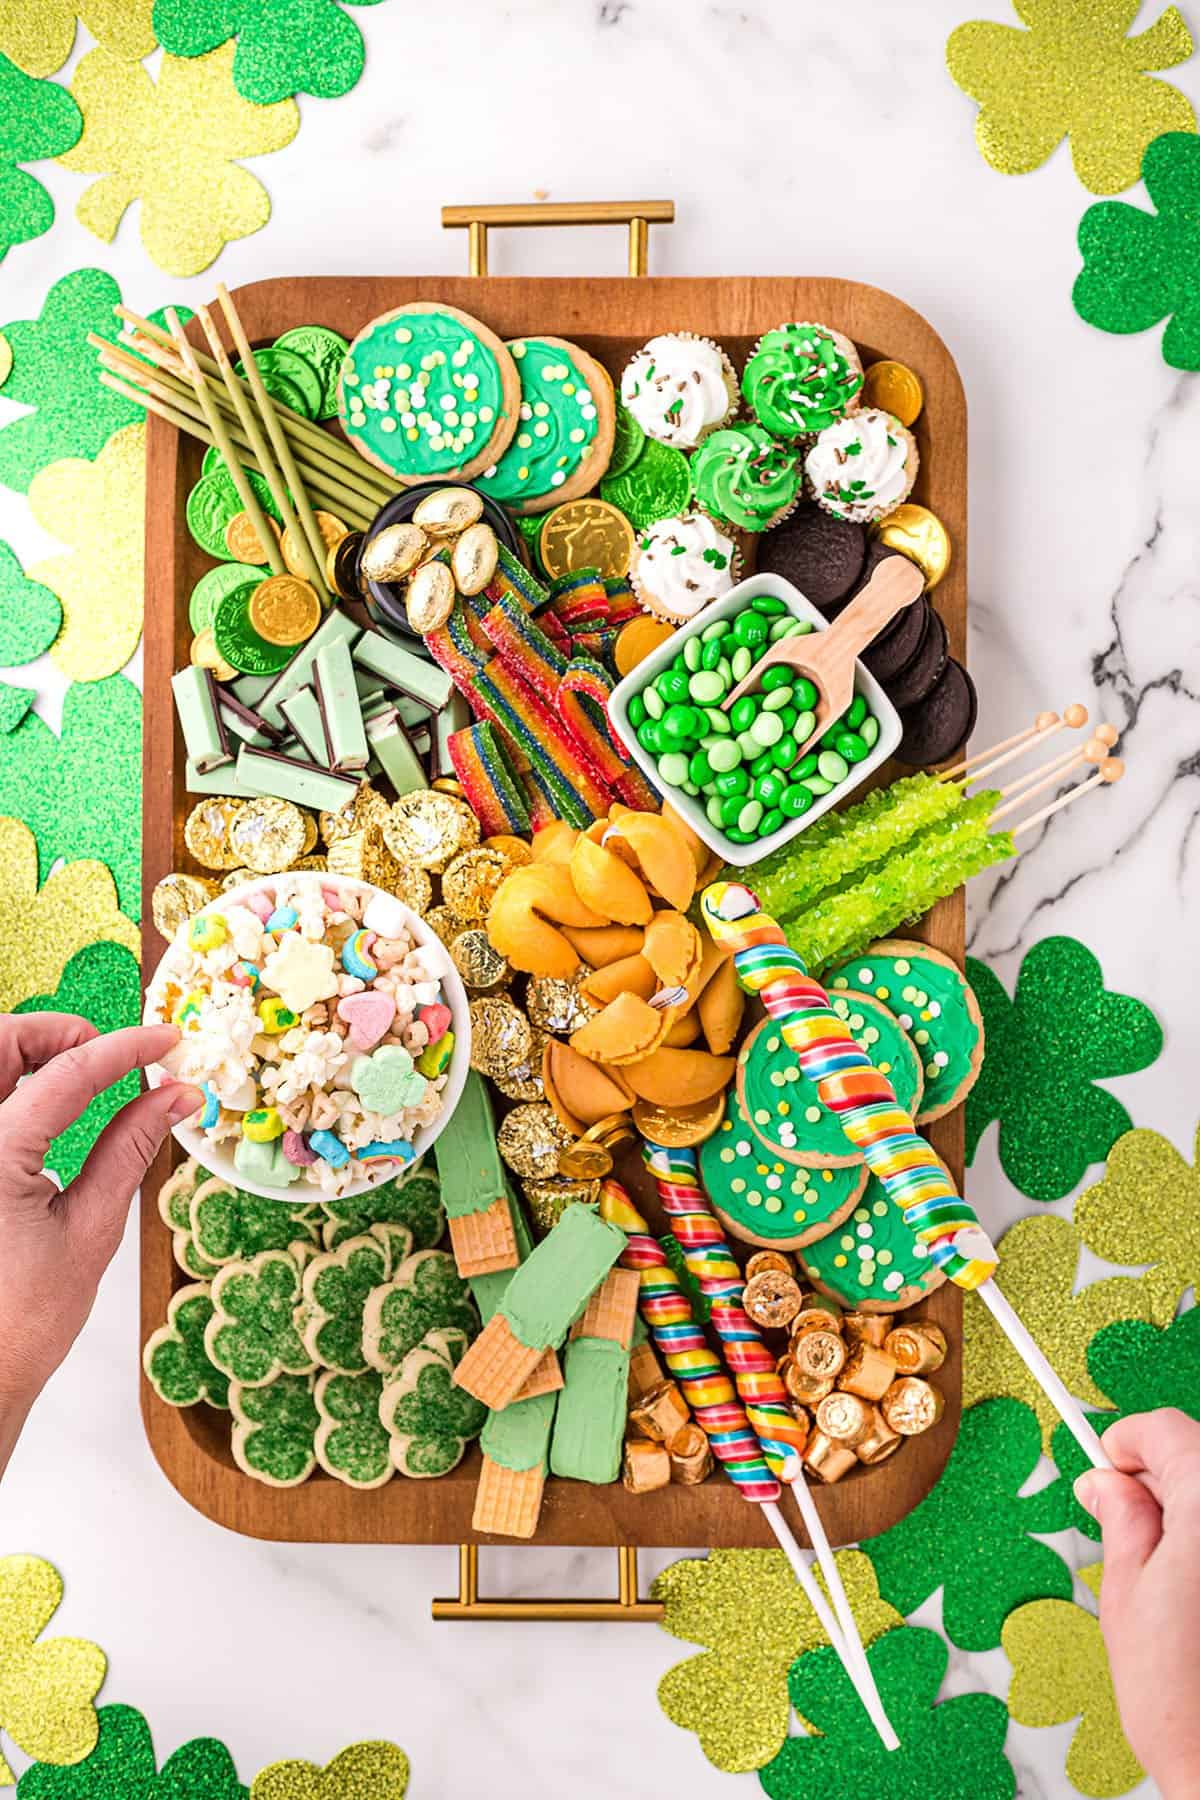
point(627, 1607)
point(639, 215)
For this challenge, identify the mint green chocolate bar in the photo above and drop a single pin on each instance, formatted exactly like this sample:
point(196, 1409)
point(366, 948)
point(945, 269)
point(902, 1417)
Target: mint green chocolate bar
point(550, 1290)
point(333, 678)
point(589, 1426)
point(217, 781)
point(287, 778)
point(335, 627)
point(392, 745)
point(303, 713)
point(418, 679)
point(203, 730)
point(454, 716)
point(469, 1163)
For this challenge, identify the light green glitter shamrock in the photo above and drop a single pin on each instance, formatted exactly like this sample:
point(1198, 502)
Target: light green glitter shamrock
point(46, 1690)
point(413, 1200)
point(38, 119)
point(351, 1444)
point(425, 1294)
point(1146, 1209)
point(231, 1226)
point(274, 1429)
point(336, 1286)
point(367, 1771)
point(429, 1420)
point(252, 1334)
point(177, 1365)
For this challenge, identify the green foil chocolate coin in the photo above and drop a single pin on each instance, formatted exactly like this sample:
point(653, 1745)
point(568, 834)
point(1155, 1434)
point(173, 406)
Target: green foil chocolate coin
point(239, 643)
point(657, 486)
point(628, 442)
point(325, 351)
point(290, 379)
point(214, 501)
point(212, 588)
point(763, 1199)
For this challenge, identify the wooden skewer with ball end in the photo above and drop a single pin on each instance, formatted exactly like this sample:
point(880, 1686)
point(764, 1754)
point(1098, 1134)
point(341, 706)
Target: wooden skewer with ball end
point(864, 1102)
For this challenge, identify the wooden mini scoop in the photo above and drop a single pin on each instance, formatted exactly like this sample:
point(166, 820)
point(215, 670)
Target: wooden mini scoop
point(827, 657)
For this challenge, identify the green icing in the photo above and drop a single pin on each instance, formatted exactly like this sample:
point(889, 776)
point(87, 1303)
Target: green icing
point(798, 381)
point(771, 1200)
point(488, 1291)
point(657, 485)
point(518, 1437)
point(935, 1006)
point(556, 428)
point(873, 1256)
point(421, 393)
point(589, 1426)
point(781, 1103)
point(742, 475)
point(468, 1160)
point(551, 1288)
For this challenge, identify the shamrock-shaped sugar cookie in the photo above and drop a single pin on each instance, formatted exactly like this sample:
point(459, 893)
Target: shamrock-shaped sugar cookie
point(1146, 1209)
point(429, 1420)
point(283, 46)
point(252, 1335)
point(413, 1200)
point(175, 1211)
point(336, 1286)
point(748, 1610)
point(386, 1081)
point(426, 1293)
point(30, 615)
point(46, 1689)
point(177, 1365)
point(1060, 1672)
point(351, 1444)
point(367, 1771)
point(39, 38)
point(274, 1429)
point(1073, 73)
point(173, 145)
point(229, 1225)
point(970, 1536)
point(43, 928)
point(1062, 1031)
point(123, 1767)
point(38, 119)
point(954, 1750)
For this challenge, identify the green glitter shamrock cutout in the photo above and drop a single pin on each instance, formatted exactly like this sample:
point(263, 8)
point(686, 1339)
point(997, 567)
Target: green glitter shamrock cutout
point(15, 702)
point(426, 1293)
point(1061, 1672)
point(283, 46)
point(81, 793)
point(275, 1429)
point(1062, 1032)
point(252, 1335)
point(748, 1610)
point(37, 119)
point(1140, 1367)
point(351, 1443)
point(415, 1201)
point(123, 1767)
point(177, 1365)
point(955, 1750)
point(102, 983)
point(30, 613)
point(366, 1771)
point(970, 1536)
point(1074, 74)
point(429, 1420)
point(228, 1225)
point(1139, 267)
point(46, 1689)
point(336, 1286)
point(1146, 1209)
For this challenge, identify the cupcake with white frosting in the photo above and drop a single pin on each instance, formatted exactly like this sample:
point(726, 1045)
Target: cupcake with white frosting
point(679, 388)
point(863, 467)
point(681, 565)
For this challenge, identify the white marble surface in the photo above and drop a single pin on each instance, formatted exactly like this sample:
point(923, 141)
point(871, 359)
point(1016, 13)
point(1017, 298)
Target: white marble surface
point(794, 139)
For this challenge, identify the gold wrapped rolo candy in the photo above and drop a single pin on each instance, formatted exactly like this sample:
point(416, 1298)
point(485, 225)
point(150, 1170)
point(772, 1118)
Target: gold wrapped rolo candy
point(919, 1348)
point(765, 1259)
point(807, 1389)
point(502, 1040)
point(880, 1442)
point(645, 1466)
point(237, 878)
point(817, 1315)
point(525, 1081)
point(206, 832)
point(772, 1299)
point(661, 1414)
point(557, 1006)
point(911, 1406)
point(448, 510)
point(819, 1353)
point(469, 883)
point(549, 1200)
point(866, 1328)
point(268, 835)
point(691, 1458)
point(479, 965)
point(530, 1140)
point(393, 552)
point(844, 1417)
point(826, 1459)
point(920, 535)
point(893, 387)
point(868, 1371)
point(176, 898)
point(428, 829)
point(368, 807)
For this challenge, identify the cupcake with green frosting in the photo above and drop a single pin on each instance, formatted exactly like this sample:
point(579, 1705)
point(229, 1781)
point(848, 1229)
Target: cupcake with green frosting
point(801, 378)
point(745, 477)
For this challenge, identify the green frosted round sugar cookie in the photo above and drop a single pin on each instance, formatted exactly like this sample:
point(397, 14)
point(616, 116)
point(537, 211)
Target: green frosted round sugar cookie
point(872, 1262)
point(564, 429)
point(764, 1200)
point(274, 1430)
point(427, 392)
point(934, 1003)
point(782, 1105)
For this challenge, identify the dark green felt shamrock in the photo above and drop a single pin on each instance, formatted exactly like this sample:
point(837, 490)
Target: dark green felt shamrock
point(37, 119)
point(283, 46)
point(30, 614)
point(1140, 267)
point(1139, 1367)
point(1046, 1048)
point(123, 1767)
point(101, 983)
point(81, 793)
point(415, 1202)
point(970, 1536)
point(954, 1751)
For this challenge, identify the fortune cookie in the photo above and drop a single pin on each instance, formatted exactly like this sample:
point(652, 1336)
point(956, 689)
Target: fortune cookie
point(722, 1001)
point(554, 843)
point(528, 906)
point(607, 884)
point(684, 1031)
point(676, 1077)
point(673, 949)
point(623, 1033)
point(605, 943)
point(659, 851)
point(632, 974)
point(580, 1091)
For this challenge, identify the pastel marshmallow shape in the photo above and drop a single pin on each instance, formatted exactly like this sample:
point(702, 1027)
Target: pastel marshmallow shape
point(301, 973)
point(386, 1082)
point(437, 1019)
point(297, 1151)
point(385, 916)
point(367, 1016)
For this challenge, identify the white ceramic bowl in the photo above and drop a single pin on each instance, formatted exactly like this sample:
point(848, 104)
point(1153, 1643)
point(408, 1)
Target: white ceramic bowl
point(219, 1161)
point(740, 856)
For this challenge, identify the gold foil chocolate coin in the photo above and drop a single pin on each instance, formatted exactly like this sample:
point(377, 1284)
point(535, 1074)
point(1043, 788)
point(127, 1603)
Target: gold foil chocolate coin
point(677, 1127)
point(582, 1161)
point(294, 544)
point(284, 610)
point(893, 388)
point(267, 835)
point(920, 535)
point(586, 534)
point(243, 542)
point(205, 655)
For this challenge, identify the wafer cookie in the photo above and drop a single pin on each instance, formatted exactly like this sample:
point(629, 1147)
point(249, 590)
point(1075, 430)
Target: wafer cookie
point(508, 1501)
point(497, 1365)
point(612, 1309)
point(484, 1242)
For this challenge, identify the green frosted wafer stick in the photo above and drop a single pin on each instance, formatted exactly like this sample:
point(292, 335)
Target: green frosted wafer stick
point(519, 1436)
point(550, 1290)
point(589, 1426)
point(468, 1160)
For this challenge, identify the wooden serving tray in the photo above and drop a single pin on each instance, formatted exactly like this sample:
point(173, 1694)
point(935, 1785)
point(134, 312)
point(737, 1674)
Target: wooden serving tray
point(610, 319)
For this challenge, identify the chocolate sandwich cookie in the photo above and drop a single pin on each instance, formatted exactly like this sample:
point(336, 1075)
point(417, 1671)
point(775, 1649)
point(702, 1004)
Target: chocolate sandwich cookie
point(899, 641)
point(923, 670)
point(820, 555)
point(944, 720)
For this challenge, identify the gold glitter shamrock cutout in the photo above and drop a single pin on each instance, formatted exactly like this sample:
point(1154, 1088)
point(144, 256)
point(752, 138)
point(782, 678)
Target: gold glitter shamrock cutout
point(46, 1690)
point(44, 928)
point(1146, 1209)
point(747, 1609)
point(172, 146)
point(99, 509)
point(367, 1771)
point(1060, 1672)
point(1074, 73)
point(1038, 1261)
point(39, 37)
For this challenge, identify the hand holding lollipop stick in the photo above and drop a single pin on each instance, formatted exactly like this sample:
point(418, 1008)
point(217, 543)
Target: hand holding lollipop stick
point(864, 1101)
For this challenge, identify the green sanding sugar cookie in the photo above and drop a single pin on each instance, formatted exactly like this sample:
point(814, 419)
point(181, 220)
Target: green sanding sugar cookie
point(30, 614)
point(212, 588)
point(214, 501)
point(252, 1334)
point(935, 1005)
point(426, 1293)
point(324, 351)
point(176, 1363)
point(228, 1225)
point(275, 1430)
point(289, 378)
point(429, 1420)
point(764, 1200)
point(872, 1262)
point(656, 486)
point(336, 1287)
point(414, 1201)
point(781, 1103)
point(351, 1444)
point(628, 442)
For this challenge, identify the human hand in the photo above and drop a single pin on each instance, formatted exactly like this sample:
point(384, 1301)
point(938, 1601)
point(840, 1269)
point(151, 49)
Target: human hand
point(1150, 1594)
point(54, 1247)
